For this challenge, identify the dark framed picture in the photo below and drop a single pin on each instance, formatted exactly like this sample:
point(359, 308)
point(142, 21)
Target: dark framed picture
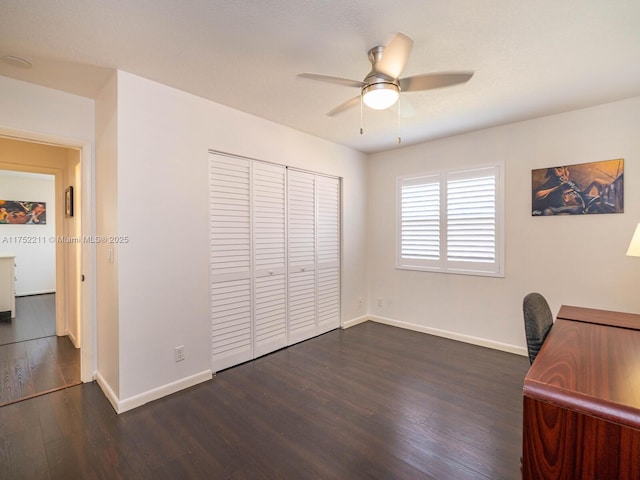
point(585, 188)
point(68, 202)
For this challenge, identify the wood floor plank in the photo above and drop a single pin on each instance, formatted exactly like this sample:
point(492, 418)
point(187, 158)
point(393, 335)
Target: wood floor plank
point(35, 318)
point(30, 368)
point(34, 362)
point(370, 402)
point(22, 381)
point(23, 456)
point(18, 416)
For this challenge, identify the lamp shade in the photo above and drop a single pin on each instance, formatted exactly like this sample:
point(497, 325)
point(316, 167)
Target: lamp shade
point(380, 95)
point(634, 246)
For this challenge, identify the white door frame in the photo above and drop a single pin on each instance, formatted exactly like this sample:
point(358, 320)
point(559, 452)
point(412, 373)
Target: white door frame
point(87, 288)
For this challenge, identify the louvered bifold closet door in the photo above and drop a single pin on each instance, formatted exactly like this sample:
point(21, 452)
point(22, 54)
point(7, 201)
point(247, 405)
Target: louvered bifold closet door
point(328, 242)
point(301, 291)
point(231, 269)
point(269, 247)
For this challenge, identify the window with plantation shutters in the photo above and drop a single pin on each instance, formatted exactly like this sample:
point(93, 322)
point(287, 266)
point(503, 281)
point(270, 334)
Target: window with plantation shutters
point(451, 221)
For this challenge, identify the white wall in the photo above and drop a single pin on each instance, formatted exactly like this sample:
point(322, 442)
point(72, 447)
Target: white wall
point(106, 209)
point(25, 107)
point(33, 245)
point(573, 260)
point(163, 138)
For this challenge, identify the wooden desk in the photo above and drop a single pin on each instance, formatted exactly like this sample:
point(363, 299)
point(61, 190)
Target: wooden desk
point(581, 416)
point(602, 317)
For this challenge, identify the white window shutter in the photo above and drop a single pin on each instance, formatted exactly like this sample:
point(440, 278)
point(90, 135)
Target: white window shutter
point(419, 221)
point(472, 220)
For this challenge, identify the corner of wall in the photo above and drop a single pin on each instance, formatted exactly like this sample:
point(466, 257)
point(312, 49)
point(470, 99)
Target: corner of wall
point(124, 405)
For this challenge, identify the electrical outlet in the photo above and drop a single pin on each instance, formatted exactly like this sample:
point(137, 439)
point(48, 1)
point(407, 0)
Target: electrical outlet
point(179, 351)
point(380, 302)
point(360, 301)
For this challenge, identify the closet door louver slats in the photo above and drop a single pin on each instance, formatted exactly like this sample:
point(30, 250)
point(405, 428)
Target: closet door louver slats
point(269, 244)
point(274, 257)
point(328, 270)
point(302, 255)
point(230, 234)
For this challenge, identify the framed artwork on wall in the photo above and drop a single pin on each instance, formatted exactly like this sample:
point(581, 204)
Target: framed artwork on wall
point(585, 188)
point(14, 212)
point(68, 201)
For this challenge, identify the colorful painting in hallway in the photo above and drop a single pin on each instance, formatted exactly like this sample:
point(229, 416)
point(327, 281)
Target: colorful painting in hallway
point(13, 212)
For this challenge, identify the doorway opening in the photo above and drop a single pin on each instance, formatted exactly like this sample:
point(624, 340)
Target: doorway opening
point(40, 345)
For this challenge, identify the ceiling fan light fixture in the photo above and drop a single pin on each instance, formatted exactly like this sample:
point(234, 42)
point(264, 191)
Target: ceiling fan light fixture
point(380, 95)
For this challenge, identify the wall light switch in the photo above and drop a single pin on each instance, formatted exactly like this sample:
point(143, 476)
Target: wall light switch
point(179, 352)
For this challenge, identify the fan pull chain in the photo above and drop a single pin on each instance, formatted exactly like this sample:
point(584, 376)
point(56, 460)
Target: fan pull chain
point(398, 125)
point(361, 116)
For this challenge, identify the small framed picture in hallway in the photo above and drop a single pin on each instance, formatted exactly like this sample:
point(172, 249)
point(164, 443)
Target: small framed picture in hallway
point(68, 201)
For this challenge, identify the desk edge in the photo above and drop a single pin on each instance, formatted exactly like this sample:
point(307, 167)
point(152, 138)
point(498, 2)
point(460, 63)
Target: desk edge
point(586, 404)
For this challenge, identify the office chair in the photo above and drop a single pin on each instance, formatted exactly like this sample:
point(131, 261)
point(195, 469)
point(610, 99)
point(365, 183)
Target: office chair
point(538, 320)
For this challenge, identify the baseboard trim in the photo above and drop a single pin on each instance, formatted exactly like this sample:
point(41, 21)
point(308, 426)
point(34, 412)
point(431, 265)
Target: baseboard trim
point(482, 342)
point(107, 390)
point(354, 321)
point(73, 339)
point(34, 293)
point(162, 391)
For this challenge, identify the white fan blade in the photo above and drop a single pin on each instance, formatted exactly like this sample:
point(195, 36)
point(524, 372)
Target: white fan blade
point(345, 106)
point(395, 56)
point(406, 108)
point(433, 80)
point(337, 80)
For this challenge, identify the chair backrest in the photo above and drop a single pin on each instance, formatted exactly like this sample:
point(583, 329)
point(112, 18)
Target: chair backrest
point(538, 320)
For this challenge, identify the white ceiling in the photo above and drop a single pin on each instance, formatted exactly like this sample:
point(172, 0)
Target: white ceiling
point(531, 58)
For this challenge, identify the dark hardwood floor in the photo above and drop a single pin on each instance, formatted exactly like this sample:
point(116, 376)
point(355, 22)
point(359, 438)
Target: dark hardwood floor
point(370, 402)
point(35, 318)
point(33, 361)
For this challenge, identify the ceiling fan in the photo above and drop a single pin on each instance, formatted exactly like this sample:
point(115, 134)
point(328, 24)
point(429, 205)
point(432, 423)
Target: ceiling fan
point(381, 87)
